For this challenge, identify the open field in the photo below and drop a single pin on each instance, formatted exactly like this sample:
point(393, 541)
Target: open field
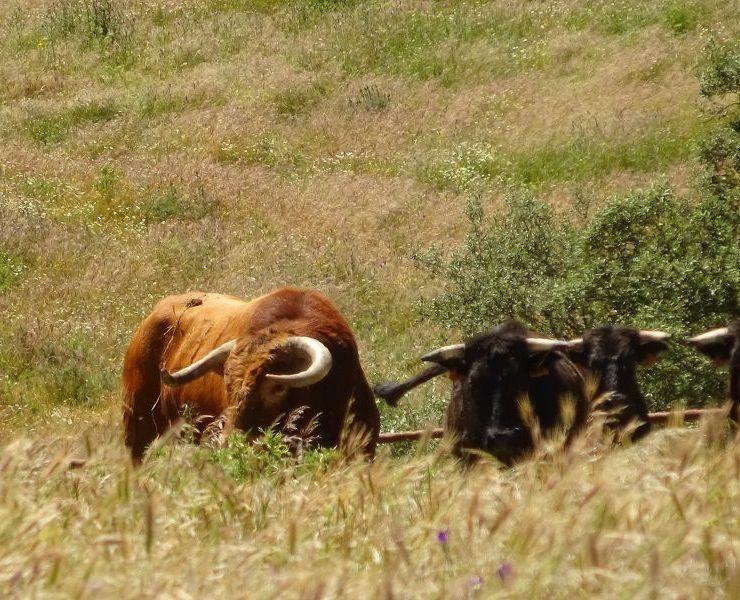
point(656, 520)
point(148, 148)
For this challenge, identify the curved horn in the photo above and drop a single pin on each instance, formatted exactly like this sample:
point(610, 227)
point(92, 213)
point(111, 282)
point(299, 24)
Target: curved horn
point(653, 336)
point(319, 367)
point(213, 359)
point(452, 352)
point(574, 343)
point(544, 344)
point(709, 336)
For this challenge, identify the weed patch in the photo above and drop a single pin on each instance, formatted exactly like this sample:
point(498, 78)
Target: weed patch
point(55, 127)
point(11, 270)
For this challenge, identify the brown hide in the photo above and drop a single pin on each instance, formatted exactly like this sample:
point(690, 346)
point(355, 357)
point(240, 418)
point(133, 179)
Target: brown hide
point(182, 329)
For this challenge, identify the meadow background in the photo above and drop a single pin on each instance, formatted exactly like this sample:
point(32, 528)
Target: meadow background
point(429, 166)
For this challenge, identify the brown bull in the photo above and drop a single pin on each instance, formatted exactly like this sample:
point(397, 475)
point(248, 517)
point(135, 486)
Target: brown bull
point(249, 364)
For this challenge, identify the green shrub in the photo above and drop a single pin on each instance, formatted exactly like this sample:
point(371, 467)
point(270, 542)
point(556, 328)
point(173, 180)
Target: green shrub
point(502, 268)
point(268, 456)
point(651, 259)
point(721, 69)
point(720, 84)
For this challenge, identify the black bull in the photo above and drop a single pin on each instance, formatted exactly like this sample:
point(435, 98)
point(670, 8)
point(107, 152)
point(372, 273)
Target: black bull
point(722, 345)
point(493, 371)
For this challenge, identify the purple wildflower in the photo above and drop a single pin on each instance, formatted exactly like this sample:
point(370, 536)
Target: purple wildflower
point(505, 571)
point(443, 536)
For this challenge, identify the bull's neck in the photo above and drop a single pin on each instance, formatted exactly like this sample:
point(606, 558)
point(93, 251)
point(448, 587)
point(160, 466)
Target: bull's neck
point(623, 383)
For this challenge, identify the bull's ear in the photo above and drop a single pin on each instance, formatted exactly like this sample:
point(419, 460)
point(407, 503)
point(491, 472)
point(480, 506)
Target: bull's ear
point(451, 357)
point(652, 343)
point(716, 344)
point(541, 354)
point(576, 351)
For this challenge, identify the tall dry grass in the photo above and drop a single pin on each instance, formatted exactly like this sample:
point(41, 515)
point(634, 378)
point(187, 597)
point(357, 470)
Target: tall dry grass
point(148, 148)
point(658, 519)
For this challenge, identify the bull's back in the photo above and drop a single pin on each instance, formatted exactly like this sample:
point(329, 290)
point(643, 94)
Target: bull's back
point(179, 329)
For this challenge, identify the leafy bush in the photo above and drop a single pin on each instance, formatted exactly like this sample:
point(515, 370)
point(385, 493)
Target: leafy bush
point(721, 69)
point(720, 84)
point(503, 267)
point(651, 260)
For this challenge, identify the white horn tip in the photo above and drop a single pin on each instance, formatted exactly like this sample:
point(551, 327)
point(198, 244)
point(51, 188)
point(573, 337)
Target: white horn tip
point(321, 363)
point(653, 335)
point(445, 353)
point(542, 344)
point(709, 336)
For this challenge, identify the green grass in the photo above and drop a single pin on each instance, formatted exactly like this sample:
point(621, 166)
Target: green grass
point(11, 269)
point(55, 127)
point(584, 156)
point(238, 145)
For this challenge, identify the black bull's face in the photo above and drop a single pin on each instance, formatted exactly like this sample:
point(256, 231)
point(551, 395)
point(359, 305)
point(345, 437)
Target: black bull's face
point(501, 371)
point(495, 373)
point(722, 345)
point(610, 356)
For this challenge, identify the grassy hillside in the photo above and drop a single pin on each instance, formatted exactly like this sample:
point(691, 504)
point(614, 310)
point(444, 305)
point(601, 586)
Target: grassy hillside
point(153, 147)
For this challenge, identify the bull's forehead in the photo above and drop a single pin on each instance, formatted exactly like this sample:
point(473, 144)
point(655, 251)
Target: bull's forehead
point(611, 342)
point(494, 345)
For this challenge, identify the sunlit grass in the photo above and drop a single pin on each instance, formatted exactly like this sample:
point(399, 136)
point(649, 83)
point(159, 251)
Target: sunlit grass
point(657, 518)
point(239, 146)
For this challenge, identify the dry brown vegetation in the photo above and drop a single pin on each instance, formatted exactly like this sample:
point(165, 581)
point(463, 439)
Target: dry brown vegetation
point(655, 520)
point(231, 145)
point(148, 148)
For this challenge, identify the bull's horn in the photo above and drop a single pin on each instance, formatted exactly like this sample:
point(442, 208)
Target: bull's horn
point(647, 335)
point(452, 352)
point(574, 343)
point(709, 336)
point(544, 344)
point(210, 361)
point(317, 369)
